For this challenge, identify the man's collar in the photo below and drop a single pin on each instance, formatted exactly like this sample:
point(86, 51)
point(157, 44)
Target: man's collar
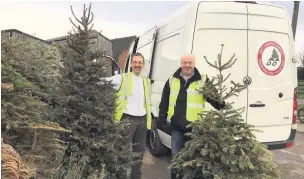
point(181, 74)
point(136, 74)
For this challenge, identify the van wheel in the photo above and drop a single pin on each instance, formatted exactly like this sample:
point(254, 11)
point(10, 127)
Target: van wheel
point(157, 148)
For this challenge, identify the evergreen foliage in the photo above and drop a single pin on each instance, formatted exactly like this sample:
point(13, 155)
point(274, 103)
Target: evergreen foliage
point(222, 145)
point(96, 147)
point(25, 122)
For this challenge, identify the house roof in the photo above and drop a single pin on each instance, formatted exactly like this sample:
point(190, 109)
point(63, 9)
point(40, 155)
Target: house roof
point(119, 44)
point(65, 37)
point(25, 34)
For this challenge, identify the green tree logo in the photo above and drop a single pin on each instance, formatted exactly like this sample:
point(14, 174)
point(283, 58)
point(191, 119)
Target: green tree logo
point(273, 60)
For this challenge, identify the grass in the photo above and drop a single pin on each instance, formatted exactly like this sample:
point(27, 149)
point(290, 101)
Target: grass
point(300, 106)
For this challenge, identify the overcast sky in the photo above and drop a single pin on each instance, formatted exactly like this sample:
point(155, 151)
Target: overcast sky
point(114, 19)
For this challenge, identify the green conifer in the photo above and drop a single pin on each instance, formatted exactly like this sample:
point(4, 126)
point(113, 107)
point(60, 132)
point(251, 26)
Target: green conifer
point(222, 145)
point(25, 121)
point(96, 147)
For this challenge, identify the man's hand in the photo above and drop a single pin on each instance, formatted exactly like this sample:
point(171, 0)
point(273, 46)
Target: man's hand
point(222, 105)
point(163, 122)
point(102, 81)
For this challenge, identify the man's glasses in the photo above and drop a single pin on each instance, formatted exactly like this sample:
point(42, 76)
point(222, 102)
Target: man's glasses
point(137, 63)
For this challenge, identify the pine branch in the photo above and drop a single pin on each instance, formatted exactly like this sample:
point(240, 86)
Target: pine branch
point(91, 27)
point(20, 116)
point(75, 32)
point(89, 11)
point(34, 140)
point(226, 78)
point(229, 64)
point(74, 24)
point(237, 88)
point(214, 66)
point(75, 17)
point(219, 57)
point(91, 18)
point(224, 89)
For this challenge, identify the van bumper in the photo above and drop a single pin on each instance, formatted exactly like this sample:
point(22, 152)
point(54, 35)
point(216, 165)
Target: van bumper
point(282, 144)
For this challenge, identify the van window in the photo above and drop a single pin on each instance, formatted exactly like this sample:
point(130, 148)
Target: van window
point(167, 54)
point(145, 51)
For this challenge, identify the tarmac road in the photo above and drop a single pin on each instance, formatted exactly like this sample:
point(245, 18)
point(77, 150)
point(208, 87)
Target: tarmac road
point(290, 161)
point(155, 167)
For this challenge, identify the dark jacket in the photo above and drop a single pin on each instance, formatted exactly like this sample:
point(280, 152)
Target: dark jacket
point(178, 120)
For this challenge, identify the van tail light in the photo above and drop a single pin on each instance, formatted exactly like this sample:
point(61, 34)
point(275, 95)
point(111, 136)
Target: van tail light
point(290, 144)
point(295, 106)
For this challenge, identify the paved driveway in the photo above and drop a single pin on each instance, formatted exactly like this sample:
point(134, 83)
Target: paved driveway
point(290, 161)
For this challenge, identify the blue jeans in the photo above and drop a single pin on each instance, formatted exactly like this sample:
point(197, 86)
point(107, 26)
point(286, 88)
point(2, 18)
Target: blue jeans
point(177, 143)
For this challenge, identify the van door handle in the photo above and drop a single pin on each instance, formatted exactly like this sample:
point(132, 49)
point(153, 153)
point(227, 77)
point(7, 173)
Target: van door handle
point(257, 105)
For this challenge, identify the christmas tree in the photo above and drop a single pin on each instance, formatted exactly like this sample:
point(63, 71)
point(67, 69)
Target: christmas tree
point(274, 56)
point(96, 147)
point(222, 145)
point(26, 124)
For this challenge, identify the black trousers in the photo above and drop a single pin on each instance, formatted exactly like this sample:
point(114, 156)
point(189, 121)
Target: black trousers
point(136, 136)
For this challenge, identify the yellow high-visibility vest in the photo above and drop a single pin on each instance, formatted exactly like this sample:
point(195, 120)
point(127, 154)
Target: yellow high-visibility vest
point(195, 99)
point(125, 91)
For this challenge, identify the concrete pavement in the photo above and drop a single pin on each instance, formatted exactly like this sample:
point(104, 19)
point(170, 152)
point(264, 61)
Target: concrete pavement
point(155, 167)
point(290, 162)
point(300, 127)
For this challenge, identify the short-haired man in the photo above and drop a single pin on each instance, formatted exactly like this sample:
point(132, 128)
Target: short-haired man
point(181, 101)
point(134, 106)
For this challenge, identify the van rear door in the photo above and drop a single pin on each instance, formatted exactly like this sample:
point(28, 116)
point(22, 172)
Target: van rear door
point(145, 46)
point(270, 67)
point(222, 23)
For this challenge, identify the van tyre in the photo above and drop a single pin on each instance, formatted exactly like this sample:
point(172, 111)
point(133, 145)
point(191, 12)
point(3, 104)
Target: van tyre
point(157, 148)
point(301, 115)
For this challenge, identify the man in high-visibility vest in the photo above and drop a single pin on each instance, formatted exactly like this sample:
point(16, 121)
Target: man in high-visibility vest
point(181, 102)
point(133, 104)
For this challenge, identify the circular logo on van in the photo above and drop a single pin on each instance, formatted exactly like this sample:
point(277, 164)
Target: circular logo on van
point(247, 80)
point(271, 58)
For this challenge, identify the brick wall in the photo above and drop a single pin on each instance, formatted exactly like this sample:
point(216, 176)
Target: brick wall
point(122, 58)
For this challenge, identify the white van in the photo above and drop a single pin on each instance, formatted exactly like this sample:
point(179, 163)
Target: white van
point(259, 35)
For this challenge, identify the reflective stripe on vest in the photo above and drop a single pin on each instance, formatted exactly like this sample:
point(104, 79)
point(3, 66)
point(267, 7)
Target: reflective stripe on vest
point(125, 91)
point(195, 99)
